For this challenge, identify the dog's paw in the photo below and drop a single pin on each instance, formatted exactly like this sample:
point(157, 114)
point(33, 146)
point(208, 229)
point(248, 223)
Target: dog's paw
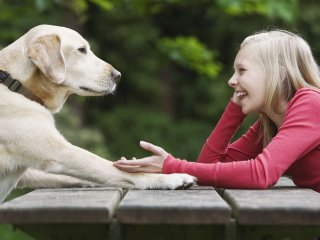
point(179, 181)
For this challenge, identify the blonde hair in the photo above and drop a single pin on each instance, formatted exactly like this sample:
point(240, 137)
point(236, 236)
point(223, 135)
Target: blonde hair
point(289, 65)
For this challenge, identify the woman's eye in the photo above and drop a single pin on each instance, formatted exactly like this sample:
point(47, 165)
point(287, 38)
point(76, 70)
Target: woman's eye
point(241, 70)
point(82, 50)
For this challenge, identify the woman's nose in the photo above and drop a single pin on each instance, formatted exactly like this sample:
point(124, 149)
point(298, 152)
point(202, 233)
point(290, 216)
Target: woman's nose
point(233, 81)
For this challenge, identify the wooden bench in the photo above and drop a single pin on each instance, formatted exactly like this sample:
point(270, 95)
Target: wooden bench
point(282, 212)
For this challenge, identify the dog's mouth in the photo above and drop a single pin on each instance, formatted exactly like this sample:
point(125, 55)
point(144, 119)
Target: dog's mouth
point(98, 93)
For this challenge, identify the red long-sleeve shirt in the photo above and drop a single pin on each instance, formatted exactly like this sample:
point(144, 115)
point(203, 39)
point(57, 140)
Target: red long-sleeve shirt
point(295, 150)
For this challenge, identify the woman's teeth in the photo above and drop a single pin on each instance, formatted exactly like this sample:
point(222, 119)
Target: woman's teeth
point(241, 94)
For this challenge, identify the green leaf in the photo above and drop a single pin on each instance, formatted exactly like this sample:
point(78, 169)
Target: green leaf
point(189, 52)
point(103, 4)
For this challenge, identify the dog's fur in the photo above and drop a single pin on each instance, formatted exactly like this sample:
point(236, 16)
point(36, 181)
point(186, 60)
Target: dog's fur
point(53, 62)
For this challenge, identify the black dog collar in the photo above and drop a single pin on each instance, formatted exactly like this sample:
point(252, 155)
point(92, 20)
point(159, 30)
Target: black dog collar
point(15, 86)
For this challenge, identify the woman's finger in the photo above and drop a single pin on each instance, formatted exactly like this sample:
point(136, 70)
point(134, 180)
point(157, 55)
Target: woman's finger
point(135, 162)
point(125, 166)
point(152, 148)
point(127, 169)
point(134, 169)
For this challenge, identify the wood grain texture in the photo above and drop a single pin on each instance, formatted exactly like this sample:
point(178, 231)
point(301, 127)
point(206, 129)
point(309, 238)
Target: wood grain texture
point(173, 207)
point(279, 205)
point(77, 205)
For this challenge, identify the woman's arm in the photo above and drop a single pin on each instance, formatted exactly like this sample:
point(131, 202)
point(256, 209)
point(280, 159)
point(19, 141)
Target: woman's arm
point(217, 147)
point(298, 135)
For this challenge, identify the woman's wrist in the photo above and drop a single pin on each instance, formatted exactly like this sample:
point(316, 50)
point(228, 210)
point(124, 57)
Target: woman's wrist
point(170, 165)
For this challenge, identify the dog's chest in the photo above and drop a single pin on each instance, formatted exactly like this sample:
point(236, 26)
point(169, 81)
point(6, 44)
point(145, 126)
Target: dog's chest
point(20, 118)
point(14, 105)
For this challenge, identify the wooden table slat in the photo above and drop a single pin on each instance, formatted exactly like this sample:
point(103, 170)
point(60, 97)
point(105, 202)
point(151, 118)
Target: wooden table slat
point(276, 206)
point(73, 205)
point(179, 207)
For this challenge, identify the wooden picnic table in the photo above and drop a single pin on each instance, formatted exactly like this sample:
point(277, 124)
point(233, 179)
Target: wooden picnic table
point(282, 212)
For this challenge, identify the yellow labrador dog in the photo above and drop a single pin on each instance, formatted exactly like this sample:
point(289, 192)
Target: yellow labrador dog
point(37, 74)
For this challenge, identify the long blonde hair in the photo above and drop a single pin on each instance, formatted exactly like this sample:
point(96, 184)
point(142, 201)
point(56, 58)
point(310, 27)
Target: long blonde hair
point(289, 65)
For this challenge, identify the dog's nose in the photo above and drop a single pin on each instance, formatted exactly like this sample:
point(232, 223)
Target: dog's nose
point(116, 75)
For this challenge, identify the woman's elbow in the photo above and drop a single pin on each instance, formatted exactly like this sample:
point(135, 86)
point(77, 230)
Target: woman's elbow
point(265, 184)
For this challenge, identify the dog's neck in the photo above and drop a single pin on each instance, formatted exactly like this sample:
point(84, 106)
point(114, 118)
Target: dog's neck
point(53, 95)
point(41, 89)
point(16, 86)
point(37, 88)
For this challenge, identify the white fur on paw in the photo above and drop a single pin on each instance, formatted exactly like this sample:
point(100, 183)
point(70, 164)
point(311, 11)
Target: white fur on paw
point(180, 180)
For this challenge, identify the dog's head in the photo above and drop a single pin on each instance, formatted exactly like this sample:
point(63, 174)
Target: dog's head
point(67, 64)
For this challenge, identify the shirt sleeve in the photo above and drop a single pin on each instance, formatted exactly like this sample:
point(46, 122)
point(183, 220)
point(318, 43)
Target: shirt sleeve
point(217, 147)
point(297, 136)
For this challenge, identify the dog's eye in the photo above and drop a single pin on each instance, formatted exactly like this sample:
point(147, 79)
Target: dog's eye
point(82, 49)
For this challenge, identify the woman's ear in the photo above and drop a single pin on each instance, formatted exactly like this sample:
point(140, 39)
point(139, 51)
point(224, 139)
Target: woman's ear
point(46, 53)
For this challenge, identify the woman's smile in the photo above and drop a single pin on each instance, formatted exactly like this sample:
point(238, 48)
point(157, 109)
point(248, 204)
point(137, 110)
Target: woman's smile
point(241, 94)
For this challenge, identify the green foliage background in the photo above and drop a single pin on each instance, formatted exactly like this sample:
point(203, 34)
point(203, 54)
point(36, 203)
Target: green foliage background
point(175, 57)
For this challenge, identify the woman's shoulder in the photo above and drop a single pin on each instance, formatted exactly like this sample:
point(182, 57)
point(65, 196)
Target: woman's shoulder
point(304, 104)
point(306, 95)
point(308, 90)
point(303, 111)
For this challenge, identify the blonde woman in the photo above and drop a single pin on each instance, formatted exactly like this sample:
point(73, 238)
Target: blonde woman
point(276, 76)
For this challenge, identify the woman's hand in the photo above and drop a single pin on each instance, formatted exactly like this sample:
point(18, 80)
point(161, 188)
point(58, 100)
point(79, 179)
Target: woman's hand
point(236, 99)
point(152, 164)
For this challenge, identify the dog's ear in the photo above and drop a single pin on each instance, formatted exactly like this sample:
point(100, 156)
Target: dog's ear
point(46, 53)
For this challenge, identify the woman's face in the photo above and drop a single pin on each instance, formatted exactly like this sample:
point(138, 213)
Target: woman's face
point(249, 81)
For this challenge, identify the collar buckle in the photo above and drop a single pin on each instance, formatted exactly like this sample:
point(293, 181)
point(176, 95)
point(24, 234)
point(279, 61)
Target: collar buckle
point(3, 76)
point(15, 85)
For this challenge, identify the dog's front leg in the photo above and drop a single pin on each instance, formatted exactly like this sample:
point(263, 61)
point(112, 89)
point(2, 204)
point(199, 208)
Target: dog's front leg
point(83, 164)
point(79, 163)
point(53, 154)
point(33, 178)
